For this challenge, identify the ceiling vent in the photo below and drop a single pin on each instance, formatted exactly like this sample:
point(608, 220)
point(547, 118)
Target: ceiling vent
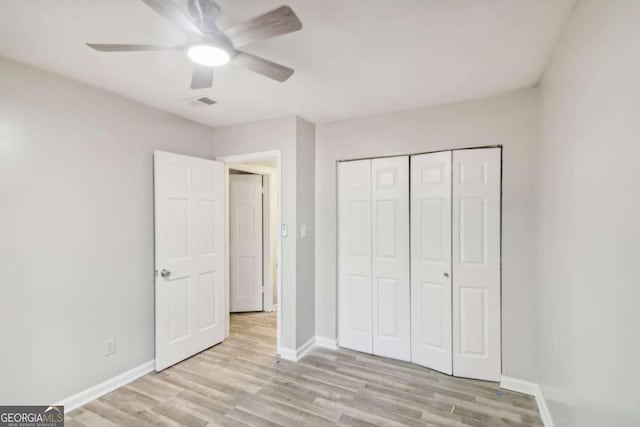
point(202, 101)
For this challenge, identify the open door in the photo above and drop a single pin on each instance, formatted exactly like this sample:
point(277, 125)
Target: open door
point(245, 242)
point(189, 249)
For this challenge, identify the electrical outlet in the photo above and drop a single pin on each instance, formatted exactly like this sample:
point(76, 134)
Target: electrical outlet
point(109, 347)
point(303, 231)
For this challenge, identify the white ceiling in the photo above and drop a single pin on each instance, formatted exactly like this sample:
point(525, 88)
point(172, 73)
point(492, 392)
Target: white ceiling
point(352, 58)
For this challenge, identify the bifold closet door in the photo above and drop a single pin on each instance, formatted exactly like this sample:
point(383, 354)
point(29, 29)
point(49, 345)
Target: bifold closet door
point(390, 257)
point(354, 255)
point(431, 261)
point(476, 263)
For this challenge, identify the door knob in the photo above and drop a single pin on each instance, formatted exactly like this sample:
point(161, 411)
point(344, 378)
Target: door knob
point(446, 274)
point(165, 273)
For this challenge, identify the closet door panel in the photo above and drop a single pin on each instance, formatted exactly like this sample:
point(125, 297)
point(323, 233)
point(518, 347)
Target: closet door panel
point(431, 261)
point(476, 263)
point(390, 257)
point(354, 255)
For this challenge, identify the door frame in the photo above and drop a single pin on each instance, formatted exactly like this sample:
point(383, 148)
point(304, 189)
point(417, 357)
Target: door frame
point(268, 256)
point(250, 157)
point(409, 154)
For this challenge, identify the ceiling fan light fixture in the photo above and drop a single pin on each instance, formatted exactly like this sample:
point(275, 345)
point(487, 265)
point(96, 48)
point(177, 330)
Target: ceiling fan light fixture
point(209, 47)
point(207, 55)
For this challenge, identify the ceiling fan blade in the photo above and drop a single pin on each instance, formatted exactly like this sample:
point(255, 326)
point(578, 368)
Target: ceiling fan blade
point(204, 13)
point(275, 23)
point(202, 77)
point(168, 10)
point(106, 47)
point(262, 66)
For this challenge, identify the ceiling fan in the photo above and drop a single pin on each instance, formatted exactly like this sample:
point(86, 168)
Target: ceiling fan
point(209, 47)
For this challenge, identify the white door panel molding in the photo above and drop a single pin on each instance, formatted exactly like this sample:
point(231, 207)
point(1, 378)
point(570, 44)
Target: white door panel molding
point(189, 252)
point(431, 261)
point(390, 257)
point(476, 263)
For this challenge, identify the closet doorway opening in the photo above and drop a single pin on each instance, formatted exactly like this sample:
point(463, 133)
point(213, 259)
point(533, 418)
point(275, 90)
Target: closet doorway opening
point(419, 259)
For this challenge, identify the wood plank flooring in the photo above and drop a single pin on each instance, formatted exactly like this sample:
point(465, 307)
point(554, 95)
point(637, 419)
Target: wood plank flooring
point(241, 382)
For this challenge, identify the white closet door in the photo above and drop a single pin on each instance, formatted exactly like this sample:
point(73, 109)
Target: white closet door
point(476, 263)
point(245, 242)
point(354, 255)
point(390, 248)
point(431, 261)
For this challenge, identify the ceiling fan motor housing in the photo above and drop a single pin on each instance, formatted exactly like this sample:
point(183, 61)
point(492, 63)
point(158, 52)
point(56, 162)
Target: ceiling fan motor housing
point(220, 41)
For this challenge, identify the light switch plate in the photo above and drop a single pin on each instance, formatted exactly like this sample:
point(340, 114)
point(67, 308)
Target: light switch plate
point(303, 231)
point(285, 230)
point(109, 346)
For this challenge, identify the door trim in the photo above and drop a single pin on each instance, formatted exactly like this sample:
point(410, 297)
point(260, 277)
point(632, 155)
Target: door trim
point(417, 153)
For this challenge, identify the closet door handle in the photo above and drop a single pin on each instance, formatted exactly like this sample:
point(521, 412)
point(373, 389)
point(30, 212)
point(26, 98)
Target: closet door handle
point(446, 274)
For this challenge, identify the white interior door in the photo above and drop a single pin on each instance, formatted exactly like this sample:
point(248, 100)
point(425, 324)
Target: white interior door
point(354, 255)
point(390, 257)
point(189, 248)
point(245, 237)
point(476, 263)
point(431, 261)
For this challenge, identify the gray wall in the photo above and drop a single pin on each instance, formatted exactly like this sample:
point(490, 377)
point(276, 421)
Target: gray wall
point(589, 219)
point(305, 256)
point(268, 135)
point(295, 138)
point(509, 120)
point(76, 231)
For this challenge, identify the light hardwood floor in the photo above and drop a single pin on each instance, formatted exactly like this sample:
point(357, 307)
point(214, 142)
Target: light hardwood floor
point(242, 383)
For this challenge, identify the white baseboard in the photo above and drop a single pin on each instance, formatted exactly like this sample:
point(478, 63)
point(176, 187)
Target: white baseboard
point(270, 309)
point(521, 386)
point(327, 343)
point(287, 354)
point(305, 348)
point(86, 396)
point(544, 410)
point(299, 353)
point(532, 389)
